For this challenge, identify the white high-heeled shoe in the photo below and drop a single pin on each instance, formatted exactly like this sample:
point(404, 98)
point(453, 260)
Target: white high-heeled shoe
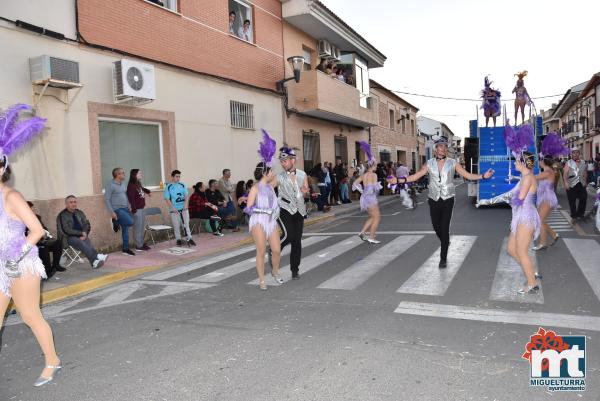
point(43, 380)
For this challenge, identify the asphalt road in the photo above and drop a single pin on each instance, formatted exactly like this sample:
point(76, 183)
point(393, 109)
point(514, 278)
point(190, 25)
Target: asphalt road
point(364, 322)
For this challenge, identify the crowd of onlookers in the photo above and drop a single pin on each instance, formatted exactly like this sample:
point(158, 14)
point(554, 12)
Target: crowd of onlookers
point(343, 73)
point(219, 204)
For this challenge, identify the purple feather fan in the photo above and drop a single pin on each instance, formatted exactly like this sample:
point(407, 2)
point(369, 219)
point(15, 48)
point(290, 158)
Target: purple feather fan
point(14, 133)
point(365, 147)
point(267, 148)
point(510, 137)
point(553, 145)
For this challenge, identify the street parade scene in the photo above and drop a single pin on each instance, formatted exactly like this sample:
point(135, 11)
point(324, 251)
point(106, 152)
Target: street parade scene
point(299, 200)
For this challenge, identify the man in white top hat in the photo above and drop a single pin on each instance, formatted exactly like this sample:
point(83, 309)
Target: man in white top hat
point(441, 191)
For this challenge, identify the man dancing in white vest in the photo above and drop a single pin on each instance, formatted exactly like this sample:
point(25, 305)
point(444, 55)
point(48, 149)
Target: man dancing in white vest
point(441, 191)
point(292, 185)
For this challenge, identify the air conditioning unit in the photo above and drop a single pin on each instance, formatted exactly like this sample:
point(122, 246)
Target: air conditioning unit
point(133, 82)
point(335, 53)
point(60, 73)
point(324, 48)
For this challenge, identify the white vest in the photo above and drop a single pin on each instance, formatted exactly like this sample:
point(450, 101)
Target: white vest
point(441, 183)
point(576, 171)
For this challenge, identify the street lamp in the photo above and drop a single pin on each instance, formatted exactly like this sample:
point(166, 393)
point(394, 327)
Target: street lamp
point(297, 63)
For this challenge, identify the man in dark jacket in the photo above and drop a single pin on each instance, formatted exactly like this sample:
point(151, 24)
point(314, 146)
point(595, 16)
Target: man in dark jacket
point(73, 229)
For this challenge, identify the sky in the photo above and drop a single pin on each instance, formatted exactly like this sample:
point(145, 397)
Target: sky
point(447, 47)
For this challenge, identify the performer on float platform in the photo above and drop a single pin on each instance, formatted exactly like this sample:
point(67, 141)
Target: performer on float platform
point(491, 102)
point(441, 191)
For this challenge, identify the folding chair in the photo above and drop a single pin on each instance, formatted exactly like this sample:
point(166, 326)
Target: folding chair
point(157, 228)
point(69, 256)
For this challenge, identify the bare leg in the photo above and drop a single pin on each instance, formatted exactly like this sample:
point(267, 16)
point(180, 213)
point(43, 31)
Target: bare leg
point(275, 245)
point(523, 113)
point(516, 112)
point(512, 247)
point(26, 294)
point(367, 224)
point(543, 211)
point(375, 218)
point(487, 119)
point(524, 237)
point(259, 239)
point(494, 118)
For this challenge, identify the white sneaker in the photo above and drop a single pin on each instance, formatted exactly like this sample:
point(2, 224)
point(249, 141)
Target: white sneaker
point(102, 257)
point(63, 261)
point(97, 263)
point(373, 241)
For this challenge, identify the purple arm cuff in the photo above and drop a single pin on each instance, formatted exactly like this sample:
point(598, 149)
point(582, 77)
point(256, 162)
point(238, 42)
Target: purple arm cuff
point(516, 201)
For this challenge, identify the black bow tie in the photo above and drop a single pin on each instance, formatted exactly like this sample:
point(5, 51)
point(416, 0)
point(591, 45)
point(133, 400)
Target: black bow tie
point(440, 158)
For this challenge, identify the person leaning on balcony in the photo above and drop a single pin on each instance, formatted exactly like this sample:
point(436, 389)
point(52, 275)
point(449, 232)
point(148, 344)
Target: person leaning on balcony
point(74, 228)
point(322, 65)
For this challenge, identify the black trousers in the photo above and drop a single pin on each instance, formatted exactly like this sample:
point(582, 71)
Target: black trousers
point(441, 215)
point(292, 227)
point(575, 193)
point(44, 250)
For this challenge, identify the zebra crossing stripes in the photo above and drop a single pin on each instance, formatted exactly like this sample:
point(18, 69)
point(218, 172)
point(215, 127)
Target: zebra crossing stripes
point(319, 257)
point(247, 264)
point(586, 253)
point(429, 279)
point(580, 322)
point(200, 264)
point(557, 221)
point(362, 270)
point(509, 278)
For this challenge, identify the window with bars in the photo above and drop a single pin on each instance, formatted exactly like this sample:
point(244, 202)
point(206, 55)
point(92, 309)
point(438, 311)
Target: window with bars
point(242, 115)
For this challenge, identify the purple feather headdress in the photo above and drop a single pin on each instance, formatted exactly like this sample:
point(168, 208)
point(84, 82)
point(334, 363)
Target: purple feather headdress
point(553, 145)
point(365, 147)
point(267, 149)
point(518, 141)
point(14, 133)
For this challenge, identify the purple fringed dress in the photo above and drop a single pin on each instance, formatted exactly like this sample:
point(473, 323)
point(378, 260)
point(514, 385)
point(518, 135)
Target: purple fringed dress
point(12, 238)
point(524, 212)
point(546, 194)
point(265, 210)
point(369, 195)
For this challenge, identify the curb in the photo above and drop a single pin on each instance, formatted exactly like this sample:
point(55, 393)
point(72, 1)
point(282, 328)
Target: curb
point(72, 290)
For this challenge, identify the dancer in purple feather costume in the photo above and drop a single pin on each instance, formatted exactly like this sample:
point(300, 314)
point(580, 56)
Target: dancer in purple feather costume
point(369, 187)
point(263, 209)
point(553, 146)
point(20, 267)
point(525, 224)
point(491, 102)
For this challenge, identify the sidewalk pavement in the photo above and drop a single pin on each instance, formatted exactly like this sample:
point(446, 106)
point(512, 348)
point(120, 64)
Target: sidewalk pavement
point(80, 277)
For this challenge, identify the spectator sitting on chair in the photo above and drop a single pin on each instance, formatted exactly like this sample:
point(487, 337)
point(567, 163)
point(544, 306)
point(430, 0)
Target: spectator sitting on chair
point(115, 198)
point(241, 194)
point(47, 245)
point(214, 196)
point(227, 210)
point(201, 208)
point(177, 197)
point(74, 229)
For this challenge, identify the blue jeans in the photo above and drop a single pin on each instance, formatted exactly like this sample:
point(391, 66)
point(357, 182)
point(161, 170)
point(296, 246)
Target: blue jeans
point(125, 220)
point(344, 192)
point(228, 215)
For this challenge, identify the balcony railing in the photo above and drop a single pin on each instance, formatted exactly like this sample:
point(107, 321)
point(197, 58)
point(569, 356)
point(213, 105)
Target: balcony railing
point(319, 95)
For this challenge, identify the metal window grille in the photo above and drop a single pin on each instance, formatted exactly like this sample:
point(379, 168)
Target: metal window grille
point(242, 115)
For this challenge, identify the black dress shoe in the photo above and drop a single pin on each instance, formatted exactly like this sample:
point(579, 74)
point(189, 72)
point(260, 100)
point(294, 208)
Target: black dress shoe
point(442, 264)
point(295, 276)
point(115, 225)
point(60, 269)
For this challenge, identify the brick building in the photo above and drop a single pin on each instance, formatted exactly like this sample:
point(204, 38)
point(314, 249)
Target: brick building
point(394, 138)
point(191, 92)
